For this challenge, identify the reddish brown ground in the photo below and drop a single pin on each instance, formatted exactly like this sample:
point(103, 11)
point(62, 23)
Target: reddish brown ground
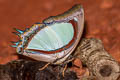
point(102, 21)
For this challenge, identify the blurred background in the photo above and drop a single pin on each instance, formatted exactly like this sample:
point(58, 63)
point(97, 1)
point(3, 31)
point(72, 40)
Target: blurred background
point(102, 19)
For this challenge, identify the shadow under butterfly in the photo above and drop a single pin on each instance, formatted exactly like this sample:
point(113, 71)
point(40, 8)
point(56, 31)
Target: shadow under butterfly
point(53, 40)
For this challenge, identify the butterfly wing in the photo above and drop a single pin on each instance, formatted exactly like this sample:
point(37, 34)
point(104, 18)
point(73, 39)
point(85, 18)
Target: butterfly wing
point(55, 39)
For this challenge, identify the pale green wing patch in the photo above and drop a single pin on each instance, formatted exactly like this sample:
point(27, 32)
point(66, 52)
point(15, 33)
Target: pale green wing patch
point(52, 37)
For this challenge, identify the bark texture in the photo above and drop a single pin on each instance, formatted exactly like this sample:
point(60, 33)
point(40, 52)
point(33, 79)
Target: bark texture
point(29, 70)
point(100, 64)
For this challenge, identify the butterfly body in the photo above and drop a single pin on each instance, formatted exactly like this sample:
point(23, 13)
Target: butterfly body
point(55, 39)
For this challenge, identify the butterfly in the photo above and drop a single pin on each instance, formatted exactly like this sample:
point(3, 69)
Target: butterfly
point(54, 39)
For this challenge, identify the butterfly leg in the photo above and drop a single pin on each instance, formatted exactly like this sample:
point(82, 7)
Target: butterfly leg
point(69, 59)
point(63, 72)
point(44, 66)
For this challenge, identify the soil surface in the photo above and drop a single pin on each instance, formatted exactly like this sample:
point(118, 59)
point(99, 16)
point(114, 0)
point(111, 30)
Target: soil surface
point(102, 19)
